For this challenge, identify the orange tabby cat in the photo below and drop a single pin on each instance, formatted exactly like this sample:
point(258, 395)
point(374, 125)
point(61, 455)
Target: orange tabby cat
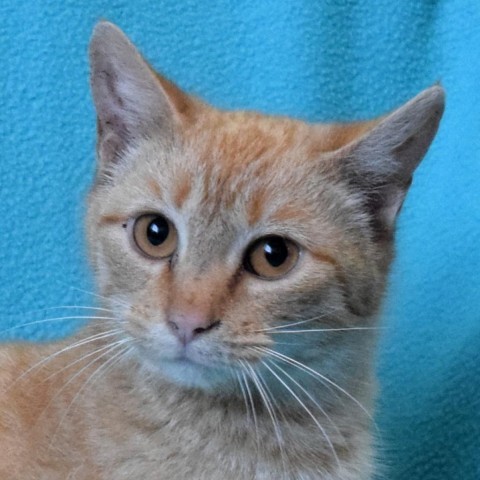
point(241, 260)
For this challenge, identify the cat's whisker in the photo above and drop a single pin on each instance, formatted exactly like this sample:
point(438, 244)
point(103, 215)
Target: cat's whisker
point(66, 367)
point(267, 401)
point(77, 307)
point(344, 329)
point(251, 400)
point(313, 373)
point(56, 319)
point(103, 297)
point(103, 369)
point(289, 343)
point(61, 307)
point(310, 397)
point(325, 384)
point(73, 377)
point(307, 410)
point(244, 394)
point(299, 322)
point(111, 349)
point(111, 362)
point(50, 357)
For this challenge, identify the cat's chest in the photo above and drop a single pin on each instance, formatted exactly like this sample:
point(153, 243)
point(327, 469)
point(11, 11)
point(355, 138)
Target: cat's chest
point(173, 443)
point(178, 439)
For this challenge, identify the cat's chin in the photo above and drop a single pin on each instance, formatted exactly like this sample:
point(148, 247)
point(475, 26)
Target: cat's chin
point(189, 374)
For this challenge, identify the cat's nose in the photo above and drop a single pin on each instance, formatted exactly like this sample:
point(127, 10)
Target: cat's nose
point(188, 325)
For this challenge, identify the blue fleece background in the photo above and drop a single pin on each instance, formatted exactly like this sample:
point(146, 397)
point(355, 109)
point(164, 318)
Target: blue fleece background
point(319, 60)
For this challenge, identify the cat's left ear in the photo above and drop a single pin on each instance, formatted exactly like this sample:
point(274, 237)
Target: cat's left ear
point(132, 101)
point(380, 164)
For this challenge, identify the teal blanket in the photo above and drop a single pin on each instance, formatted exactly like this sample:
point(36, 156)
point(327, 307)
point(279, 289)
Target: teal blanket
point(319, 60)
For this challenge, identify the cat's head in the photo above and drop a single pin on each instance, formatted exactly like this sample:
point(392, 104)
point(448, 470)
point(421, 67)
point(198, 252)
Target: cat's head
point(221, 237)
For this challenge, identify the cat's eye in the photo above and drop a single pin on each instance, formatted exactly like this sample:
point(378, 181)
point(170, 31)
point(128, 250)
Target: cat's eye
point(271, 257)
point(155, 235)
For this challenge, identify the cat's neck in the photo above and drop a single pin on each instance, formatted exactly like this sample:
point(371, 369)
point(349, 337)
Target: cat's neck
point(260, 438)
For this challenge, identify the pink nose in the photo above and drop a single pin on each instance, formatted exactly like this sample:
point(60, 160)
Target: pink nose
point(187, 326)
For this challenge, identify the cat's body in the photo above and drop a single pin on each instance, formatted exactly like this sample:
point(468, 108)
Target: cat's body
point(242, 260)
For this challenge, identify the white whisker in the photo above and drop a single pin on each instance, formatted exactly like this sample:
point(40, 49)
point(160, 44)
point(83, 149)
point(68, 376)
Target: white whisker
point(261, 388)
point(71, 379)
point(69, 347)
point(251, 400)
point(113, 347)
point(76, 307)
point(106, 366)
point(307, 410)
point(319, 317)
point(315, 374)
point(56, 319)
point(62, 307)
point(312, 399)
point(344, 329)
point(103, 297)
point(111, 334)
point(244, 394)
point(289, 343)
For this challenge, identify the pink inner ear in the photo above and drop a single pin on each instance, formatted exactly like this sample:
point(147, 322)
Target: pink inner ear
point(389, 212)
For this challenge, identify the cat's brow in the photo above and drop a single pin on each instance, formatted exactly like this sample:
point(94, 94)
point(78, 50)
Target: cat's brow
point(182, 191)
point(111, 218)
point(154, 188)
point(288, 213)
point(256, 207)
point(325, 257)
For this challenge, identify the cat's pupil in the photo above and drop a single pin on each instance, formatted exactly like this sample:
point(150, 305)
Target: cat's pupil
point(157, 231)
point(276, 251)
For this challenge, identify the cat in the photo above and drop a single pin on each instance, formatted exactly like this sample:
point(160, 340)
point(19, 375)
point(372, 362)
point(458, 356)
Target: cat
point(241, 260)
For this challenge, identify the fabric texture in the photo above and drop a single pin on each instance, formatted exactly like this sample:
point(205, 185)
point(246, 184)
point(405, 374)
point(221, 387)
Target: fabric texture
point(318, 60)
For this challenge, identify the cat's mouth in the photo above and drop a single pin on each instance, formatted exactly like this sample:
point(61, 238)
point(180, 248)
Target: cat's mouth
point(191, 366)
point(186, 356)
point(193, 372)
point(184, 359)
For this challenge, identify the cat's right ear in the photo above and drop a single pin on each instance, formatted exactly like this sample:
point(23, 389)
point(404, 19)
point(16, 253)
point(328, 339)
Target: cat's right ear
point(132, 101)
point(380, 163)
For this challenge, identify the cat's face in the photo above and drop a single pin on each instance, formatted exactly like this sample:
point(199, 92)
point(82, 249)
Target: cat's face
point(186, 231)
point(219, 238)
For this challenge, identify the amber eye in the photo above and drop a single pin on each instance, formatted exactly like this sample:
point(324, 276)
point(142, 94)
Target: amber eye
point(155, 235)
point(271, 257)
